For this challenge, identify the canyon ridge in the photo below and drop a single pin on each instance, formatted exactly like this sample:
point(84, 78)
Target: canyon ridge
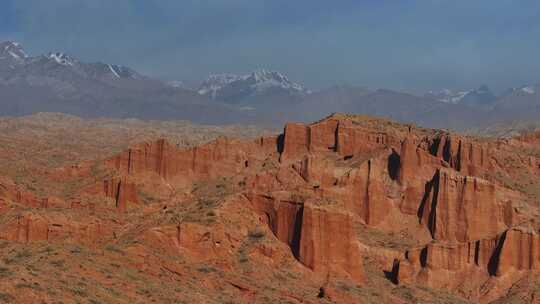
point(348, 209)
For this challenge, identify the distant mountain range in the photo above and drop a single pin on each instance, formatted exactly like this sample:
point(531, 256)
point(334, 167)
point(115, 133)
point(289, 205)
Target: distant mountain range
point(236, 89)
point(477, 97)
point(56, 82)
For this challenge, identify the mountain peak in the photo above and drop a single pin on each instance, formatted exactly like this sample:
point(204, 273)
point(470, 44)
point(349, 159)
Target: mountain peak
point(483, 88)
point(262, 75)
point(12, 57)
point(528, 89)
point(480, 96)
point(265, 79)
point(447, 95)
point(10, 44)
point(13, 51)
point(256, 82)
point(217, 82)
point(62, 58)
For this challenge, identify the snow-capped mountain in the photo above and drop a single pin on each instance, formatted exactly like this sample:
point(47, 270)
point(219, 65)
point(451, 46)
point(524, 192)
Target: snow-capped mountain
point(520, 104)
point(529, 89)
point(524, 90)
point(448, 96)
point(11, 54)
point(62, 59)
point(478, 97)
point(234, 88)
point(214, 83)
point(57, 82)
point(18, 65)
point(96, 70)
point(526, 95)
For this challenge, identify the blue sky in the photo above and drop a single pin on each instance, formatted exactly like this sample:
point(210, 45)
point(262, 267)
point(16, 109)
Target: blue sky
point(405, 45)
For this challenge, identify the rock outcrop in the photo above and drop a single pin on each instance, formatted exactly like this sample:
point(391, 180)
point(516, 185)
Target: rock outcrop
point(123, 192)
point(463, 208)
point(10, 192)
point(353, 139)
point(465, 156)
point(322, 239)
point(220, 157)
point(438, 178)
point(520, 251)
point(328, 242)
point(283, 217)
point(443, 265)
point(415, 174)
point(332, 135)
point(30, 227)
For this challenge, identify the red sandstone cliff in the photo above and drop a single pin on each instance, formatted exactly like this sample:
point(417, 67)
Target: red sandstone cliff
point(122, 191)
point(429, 207)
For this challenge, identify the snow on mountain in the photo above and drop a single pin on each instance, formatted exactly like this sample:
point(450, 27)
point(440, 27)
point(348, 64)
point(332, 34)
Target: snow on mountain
point(119, 71)
point(13, 57)
point(528, 89)
point(113, 71)
point(479, 96)
point(177, 84)
point(524, 90)
point(62, 59)
point(12, 51)
point(262, 80)
point(248, 85)
point(448, 96)
point(216, 82)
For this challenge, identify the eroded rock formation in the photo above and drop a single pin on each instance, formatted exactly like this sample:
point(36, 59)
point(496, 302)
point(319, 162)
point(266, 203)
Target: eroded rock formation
point(462, 208)
point(123, 192)
point(425, 207)
point(327, 242)
point(30, 227)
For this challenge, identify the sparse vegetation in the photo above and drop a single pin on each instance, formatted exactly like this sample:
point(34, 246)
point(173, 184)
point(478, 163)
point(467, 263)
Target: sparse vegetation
point(58, 263)
point(257, 234)
point(206, 269)
point(114, 248)
point(23, 254)
point(79, 291)
point(5, 272)
point(34, 286)
point(6, 298)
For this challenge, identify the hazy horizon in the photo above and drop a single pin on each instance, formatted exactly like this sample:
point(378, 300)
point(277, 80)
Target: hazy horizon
point(412, 46)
